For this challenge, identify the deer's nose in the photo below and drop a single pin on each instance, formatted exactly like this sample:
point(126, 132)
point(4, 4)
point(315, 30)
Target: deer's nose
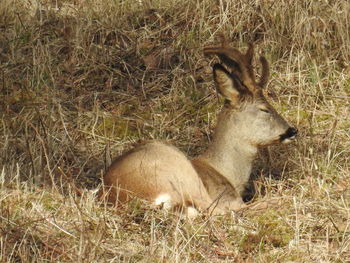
point(291, 132)
point(289, 135)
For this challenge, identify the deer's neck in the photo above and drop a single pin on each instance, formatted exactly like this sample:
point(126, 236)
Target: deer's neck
point(229, 153)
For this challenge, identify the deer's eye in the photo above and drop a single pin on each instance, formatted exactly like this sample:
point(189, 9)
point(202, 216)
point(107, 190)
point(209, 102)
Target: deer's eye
point(265, 110)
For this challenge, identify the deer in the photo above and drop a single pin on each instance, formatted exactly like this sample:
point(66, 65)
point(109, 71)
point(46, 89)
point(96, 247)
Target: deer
point(214, 181)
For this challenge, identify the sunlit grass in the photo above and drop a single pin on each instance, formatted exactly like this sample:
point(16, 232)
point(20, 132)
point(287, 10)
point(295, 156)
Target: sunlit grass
point(82, 81)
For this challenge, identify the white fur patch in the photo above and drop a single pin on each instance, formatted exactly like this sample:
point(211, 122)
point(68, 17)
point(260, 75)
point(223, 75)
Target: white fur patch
point(163, 200)
point(289, 140)
point(192, 212)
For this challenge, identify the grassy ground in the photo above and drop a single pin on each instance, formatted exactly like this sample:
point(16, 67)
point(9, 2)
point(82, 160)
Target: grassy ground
point(82, 80)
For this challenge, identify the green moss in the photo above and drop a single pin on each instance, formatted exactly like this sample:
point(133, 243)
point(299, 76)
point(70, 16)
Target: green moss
point(116, 127)
point(20, 95)
point(272, 231)
point(50, 202)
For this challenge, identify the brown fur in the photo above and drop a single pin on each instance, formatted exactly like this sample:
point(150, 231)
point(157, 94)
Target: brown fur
point(220, 190)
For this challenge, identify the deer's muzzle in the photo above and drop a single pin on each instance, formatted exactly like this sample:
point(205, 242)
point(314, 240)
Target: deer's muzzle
point(289, 135)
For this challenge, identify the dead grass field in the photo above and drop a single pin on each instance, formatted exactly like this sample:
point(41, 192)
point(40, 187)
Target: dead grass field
point(82, 80)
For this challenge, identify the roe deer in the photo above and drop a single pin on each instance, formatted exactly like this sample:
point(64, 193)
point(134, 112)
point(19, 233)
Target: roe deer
point(214, 180)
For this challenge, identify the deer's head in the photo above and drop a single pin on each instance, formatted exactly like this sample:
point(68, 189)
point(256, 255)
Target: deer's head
point(254, 119)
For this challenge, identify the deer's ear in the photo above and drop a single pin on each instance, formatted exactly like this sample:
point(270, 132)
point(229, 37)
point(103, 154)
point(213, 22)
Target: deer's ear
point(227, 84)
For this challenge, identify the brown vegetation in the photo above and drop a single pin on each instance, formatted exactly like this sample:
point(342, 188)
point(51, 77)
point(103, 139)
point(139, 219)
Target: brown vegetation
point(81, 81)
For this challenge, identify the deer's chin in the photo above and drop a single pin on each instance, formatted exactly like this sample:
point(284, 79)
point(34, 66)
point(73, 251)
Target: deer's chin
point(270, 143)
point(280, 139)
point(288, 140)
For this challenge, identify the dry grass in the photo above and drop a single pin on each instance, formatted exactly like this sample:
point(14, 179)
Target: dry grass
point(83, 80)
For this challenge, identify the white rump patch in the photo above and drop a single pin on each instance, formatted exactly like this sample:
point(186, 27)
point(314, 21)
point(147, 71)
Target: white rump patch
point(163, 200)
point(192, 212)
